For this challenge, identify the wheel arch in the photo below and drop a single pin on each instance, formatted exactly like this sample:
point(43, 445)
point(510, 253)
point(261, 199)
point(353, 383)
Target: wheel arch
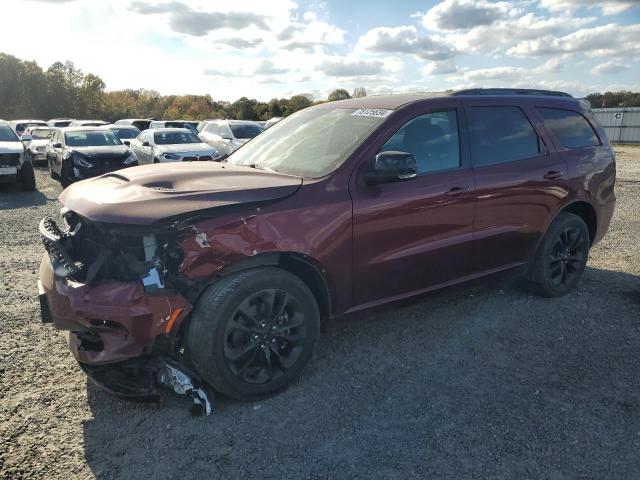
point(587, 213)
point(302, 266)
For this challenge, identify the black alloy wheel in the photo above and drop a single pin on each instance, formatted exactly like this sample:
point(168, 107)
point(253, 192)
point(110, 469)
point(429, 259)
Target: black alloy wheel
point(263, 338)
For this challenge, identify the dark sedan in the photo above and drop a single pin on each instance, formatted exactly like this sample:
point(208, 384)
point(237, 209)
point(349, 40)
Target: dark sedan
point(76, 153)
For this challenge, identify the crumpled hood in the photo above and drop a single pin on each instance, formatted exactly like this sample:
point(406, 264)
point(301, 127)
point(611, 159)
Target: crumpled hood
point(97, 153)
point(143, 195)
point(11, 147)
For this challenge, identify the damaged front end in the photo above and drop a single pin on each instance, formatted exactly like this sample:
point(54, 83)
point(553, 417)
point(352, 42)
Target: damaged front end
point(117, 291)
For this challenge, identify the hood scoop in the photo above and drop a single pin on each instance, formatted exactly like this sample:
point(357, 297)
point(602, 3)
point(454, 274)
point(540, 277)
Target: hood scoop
point(117, 176)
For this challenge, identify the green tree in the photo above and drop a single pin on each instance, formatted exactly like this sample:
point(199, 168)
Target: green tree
point(338, 94)
point(297, 102)
point(359, 92)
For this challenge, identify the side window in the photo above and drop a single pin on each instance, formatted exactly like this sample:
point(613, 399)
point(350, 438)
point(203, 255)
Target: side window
point(570, 128)
point(433, 139)
point(501, 134)
point(212, 128)
point(225, 132)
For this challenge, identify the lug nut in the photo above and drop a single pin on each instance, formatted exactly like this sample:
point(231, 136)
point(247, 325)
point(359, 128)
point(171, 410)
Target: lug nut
point(262, 346)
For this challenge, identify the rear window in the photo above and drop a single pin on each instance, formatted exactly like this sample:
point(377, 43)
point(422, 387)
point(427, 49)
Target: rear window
point(501, 134)
point(570, 128)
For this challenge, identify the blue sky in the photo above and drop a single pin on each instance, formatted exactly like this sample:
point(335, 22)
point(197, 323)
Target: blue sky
point(263, 49)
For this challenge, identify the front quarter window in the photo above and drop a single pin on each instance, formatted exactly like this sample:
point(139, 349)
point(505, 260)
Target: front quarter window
point(311, 143)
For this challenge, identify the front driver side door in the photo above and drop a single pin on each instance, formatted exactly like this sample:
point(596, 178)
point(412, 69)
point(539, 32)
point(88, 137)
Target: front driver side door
point(415, 235)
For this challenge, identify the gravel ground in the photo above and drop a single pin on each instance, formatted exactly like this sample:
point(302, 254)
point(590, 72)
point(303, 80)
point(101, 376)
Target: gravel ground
point(487, 382)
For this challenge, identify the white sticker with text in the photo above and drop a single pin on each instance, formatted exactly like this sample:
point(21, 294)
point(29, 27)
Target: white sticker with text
point(372, 112)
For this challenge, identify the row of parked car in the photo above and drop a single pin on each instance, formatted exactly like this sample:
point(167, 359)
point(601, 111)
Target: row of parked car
point(78, 149)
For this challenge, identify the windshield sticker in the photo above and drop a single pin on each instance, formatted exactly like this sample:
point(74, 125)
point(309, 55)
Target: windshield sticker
point(372, 112)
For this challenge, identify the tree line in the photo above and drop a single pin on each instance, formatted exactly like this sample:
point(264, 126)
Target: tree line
point(62, 90)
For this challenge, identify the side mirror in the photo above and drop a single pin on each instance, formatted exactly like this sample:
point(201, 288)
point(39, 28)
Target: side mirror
point(127, 143)
point(57, 145)
point(26, 137)
point(146, 144)
point(392, 167)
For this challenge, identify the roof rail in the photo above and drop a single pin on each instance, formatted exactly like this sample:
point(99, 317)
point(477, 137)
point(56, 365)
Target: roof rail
point(509, 91)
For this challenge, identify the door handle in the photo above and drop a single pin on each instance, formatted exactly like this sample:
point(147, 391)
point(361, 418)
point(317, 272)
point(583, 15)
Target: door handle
point(456, 190)
point(553, 174)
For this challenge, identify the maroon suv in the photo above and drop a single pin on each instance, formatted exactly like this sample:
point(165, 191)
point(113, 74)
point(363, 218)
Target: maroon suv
point(223, 272)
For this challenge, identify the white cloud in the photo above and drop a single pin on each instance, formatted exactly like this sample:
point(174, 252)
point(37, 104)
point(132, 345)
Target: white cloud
point(442, 67)
point(609, 68)
point(608, 7)
point(351, 68)
point(405, 39)
point(501, 35)
point(466, 14)
point(611, 39)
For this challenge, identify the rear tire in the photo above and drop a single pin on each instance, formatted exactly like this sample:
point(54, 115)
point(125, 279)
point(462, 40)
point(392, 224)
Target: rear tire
point(253, 333)
point(27, 177)
point(561, 257)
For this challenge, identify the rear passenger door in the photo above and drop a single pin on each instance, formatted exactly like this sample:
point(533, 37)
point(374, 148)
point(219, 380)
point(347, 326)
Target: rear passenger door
point(519, 182)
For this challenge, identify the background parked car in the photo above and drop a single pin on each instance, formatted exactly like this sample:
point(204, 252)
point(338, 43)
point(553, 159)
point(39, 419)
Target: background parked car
point(35, 141)
point(76, 153)
point(175, 124)
point(126, 133)
point(14, 167)
point(87, 123)
point(272, 121)
point(227, 136)
point(59, 122)
point(19, 126)
point(140, 123)
point(171, 145)
point(204, 123)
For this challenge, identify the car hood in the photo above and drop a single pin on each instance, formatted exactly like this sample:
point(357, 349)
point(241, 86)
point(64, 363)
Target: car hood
point(38, 142)
point(97, 153)
point(185, 147)
point(143, 195)
point(11, 147)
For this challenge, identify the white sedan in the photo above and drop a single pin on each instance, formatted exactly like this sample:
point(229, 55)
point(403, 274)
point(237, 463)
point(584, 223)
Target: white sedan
point(161, 145)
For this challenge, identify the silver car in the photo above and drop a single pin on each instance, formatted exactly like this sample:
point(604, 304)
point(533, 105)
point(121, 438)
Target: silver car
point(35, 141)
point(159, 145)
point(227, 136)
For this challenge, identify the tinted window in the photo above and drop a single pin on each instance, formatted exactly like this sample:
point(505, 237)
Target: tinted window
point(245, 130)
point(174, 138)
point(91, 139)
point(433, 139)
point(7, 135)
point(569, 127)
point(501, 134)
point(125, 133)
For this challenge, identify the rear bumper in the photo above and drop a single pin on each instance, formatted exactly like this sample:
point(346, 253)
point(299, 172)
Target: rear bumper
point(109, 322)
point(604, 219)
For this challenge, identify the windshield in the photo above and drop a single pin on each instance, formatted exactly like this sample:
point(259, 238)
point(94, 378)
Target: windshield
point(7, 134)
point(126, 133)
point(311, 143)
point(91, 139)
point(245, 130)
point(174, 138)
point(40, 133)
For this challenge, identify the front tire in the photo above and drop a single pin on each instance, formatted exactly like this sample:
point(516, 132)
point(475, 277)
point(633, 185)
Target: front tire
point(561, 257)
point(27, 177)
point(253, 332)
